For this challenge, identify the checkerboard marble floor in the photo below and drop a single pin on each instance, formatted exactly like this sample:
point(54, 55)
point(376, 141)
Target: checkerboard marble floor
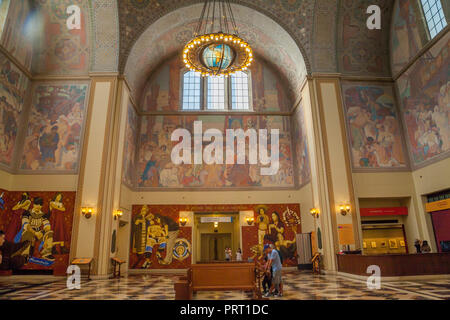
point(297, 286)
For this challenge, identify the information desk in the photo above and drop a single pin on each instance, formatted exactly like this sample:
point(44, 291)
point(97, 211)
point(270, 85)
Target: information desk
point(396, 265)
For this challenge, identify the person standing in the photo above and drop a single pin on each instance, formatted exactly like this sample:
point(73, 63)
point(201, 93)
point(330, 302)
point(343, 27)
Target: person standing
point(227, 254)
point(239, 255)
point(417, 245)
point(425, 247)
point(274, 263)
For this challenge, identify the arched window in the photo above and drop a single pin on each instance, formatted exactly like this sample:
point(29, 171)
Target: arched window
point(434, 15)
point(216, 93)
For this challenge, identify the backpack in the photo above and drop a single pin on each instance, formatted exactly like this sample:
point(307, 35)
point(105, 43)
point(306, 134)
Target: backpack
point(279, 254)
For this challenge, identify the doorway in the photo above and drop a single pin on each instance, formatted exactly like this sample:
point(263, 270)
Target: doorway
point(213, 232)
point(213, 246)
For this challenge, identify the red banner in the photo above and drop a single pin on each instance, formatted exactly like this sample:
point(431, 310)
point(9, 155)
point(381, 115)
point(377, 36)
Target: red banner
point(393, 211)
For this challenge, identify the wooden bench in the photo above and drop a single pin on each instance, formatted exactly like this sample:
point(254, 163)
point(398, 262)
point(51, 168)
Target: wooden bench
point(215, 276)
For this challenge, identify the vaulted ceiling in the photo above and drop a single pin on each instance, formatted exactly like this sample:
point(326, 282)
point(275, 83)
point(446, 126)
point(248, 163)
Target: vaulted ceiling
point(330, 36)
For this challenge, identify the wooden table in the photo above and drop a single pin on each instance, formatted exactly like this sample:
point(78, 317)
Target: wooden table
point(116, 262)
point(83, 262)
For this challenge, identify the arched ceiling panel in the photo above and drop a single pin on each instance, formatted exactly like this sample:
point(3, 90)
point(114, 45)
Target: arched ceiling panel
point(168, 35)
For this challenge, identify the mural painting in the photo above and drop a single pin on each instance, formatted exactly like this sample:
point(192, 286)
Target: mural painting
point(41, 224)
point(13, 88)
point(157, 241)
point(301, 146)
point(156, 232)
point(425, 99)
point(129, 148)
point(373, 125)
point(156, 170)
point(277, 225)
point(408, 33)
point(55, 126)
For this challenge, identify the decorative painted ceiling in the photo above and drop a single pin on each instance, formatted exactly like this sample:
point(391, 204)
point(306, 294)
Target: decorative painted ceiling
point(331, 35)
point(167, 36)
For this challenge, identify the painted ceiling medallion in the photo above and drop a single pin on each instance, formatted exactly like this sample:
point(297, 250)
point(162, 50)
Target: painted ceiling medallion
point(214, 50)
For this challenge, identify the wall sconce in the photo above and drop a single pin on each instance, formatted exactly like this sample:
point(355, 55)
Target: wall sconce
point(183, 221)
point(345, 209)
point(250, 220)
point(216, 225)
point(118, 214)
point(87, 212)
point(314, 212)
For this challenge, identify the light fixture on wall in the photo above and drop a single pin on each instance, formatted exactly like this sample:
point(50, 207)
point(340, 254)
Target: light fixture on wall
point(250, 220)
point(87, 212)
point(217, 49)
point(314, 212)
point(344, 209)
point(118, 214)
point(183, 221)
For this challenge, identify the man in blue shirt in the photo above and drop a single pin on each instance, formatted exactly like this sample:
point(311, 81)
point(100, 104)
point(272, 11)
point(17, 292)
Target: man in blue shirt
point(275, 264)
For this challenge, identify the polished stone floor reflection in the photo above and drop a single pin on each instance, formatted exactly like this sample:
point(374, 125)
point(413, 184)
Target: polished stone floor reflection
point(298, 286)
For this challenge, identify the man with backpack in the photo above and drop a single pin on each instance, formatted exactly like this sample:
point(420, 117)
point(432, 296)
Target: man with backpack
point(276, 265)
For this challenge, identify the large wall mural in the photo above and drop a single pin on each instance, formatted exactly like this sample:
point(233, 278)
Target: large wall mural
point(424, 91)
point(156, 170)
point(60, 50)
point(408, 33)
point(129, 148)
point(162, 92)
point(155, 233)
point(13, 90)
point(55, 126)
point(373, 126)
point(157, 241)
point(17, 32)
point(300, 141)
point(42, 223)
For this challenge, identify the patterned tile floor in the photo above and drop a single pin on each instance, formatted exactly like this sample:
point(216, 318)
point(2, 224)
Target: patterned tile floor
point(297, 286)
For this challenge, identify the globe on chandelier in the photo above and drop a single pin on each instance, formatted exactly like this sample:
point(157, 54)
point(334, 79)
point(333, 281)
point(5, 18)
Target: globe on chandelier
point(214, 50)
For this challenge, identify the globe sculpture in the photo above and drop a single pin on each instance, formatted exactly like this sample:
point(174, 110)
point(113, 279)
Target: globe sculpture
point(217, 57)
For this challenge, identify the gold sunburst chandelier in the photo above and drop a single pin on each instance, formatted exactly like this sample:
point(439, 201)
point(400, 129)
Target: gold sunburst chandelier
point(214, 50)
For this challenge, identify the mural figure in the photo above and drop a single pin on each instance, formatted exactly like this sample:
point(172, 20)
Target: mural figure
point(291, 219)
point(12, 233)
point(152, 230)
point(36, 227)
point(276, 236)
point(263, 224)
point(58, 226)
